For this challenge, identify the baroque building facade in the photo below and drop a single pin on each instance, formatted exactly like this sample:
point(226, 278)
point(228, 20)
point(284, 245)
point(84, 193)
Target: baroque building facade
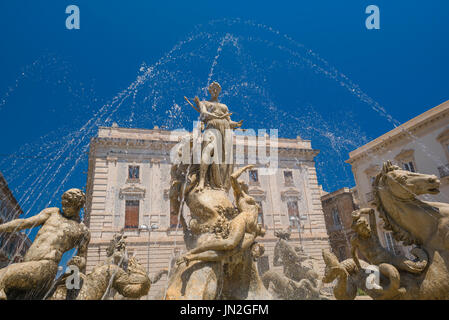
point(418, 145)
point(13, 246)
point(128, 187)
point(338, 207)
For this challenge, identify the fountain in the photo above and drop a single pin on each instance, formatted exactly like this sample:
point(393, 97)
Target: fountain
point(55, 158)
point(220, 263)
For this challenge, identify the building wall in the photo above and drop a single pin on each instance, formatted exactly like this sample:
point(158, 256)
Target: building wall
point(13, 246)
point(108, 187)
point(342, 203)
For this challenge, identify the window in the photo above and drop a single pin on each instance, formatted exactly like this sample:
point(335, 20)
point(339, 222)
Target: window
point(293, 213)
point(391, 245)
point(260, 215)
point(174, 222)
point(132, 214)
point(288, 177)
point(133, 172)
point(443, 139)
point(253, 176)
point(336, 218)
point(409, 166)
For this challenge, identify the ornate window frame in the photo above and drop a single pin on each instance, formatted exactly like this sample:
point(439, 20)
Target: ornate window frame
point(132, 192)
point(443, 139)
point(404, 158)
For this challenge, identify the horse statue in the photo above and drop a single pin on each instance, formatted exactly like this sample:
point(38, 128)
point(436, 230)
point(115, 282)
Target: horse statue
point(414, 222)
point(300, 279)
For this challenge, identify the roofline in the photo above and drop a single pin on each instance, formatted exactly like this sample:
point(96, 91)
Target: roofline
point(164, 131)
point(405, 128)
point(10, 195)
point(344, 190)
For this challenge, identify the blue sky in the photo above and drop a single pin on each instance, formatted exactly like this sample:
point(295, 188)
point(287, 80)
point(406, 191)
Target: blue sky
point(306, 67)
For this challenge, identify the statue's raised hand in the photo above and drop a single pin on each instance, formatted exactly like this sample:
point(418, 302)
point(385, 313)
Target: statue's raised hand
point(196, 100)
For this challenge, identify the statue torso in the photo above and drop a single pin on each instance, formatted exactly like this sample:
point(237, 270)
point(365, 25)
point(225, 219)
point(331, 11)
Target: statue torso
point(57, 235)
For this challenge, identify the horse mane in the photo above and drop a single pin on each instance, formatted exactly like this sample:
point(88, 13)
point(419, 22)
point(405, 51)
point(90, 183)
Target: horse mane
point(399, 233)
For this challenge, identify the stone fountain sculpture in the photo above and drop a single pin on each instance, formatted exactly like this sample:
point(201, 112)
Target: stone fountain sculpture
point(118, 275)
point(414, 222)
point(300, 279)
point(61, 231)
point(220, 237)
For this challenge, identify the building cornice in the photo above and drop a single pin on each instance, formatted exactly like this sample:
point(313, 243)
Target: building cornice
point(165, 146)
point(7, 194)
point(401, 132)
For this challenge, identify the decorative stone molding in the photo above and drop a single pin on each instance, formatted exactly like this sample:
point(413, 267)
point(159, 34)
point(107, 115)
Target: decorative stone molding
point(372, 170)
point(132, 191)
point(290, 193)
point(111, 159)
point(166, 194)
point(405, 155)
point(257, 193)
point(154, 161)
point(443, 136)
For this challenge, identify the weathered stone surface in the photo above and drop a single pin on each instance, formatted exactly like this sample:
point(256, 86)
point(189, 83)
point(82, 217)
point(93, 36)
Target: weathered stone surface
point(118, 276)
point(220, 237)
point(413, 221)
point(60, 231)
point(300, 277)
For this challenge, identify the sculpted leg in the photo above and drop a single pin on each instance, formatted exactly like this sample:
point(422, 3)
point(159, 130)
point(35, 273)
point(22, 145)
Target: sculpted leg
point(29, 277)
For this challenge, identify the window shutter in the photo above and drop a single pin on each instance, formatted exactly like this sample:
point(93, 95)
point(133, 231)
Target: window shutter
point(132, 214)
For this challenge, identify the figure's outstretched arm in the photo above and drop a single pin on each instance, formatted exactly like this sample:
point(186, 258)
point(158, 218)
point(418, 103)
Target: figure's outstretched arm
point(234, 181)
point(354, 254)
point(216, 255)
point(234, 238)
point(234, 124)
point(20, 224)
point(82, 250)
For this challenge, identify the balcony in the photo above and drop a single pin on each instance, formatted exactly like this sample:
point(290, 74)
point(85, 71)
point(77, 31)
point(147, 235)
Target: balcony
point(444, 171)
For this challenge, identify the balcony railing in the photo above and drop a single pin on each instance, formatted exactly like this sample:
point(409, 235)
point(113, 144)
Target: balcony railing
point(444, 171)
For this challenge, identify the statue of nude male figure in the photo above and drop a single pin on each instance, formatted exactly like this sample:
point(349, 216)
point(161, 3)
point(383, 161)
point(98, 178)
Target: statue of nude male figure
point(61, 231)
